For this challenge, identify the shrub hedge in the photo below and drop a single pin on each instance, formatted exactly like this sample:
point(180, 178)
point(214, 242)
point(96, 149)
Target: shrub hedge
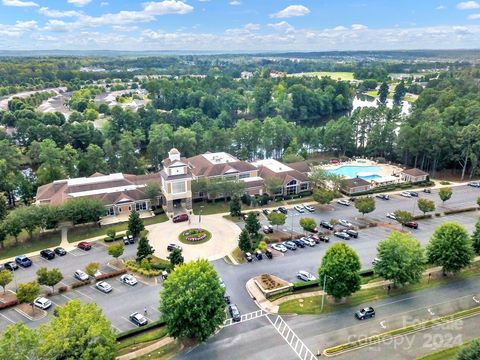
point(305, 284)
point(138, 330)
point(111, 274)
point(456, 211)
point(116, 238)
point(133, 266)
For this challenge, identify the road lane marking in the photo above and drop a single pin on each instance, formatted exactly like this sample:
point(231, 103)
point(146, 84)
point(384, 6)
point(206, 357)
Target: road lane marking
point(245, 317)
point(81, 293)
point(382, 324)
point(13, 322)
point(476, 300)
point(295, 343)
point(66, 297)
point(430, 311)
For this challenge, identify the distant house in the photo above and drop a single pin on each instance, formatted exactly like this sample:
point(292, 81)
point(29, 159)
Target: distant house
point(246, 75)
point(355, 186)
point(414, 175)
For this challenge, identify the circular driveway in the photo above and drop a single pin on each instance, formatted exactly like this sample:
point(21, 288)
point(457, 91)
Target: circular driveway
point(224, 237)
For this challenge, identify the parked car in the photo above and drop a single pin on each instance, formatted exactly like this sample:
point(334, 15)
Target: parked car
point(164, 275)
point(299, 208)
point(131, 239)
point(314, 230)
point(47, 254)
point(249, 257)
point(383, 196)
point(427, 190)
point(474, 184)
point(125, 240)
point(290, 245)
point(84, 245)
point(60, 251)
point(128, 279)
point(180, 218)
point(413, 193)
point(171, 247)
point(23, 261)
point(266, 211)
point(42, 303)
point(299, 243)
point(411, 224)
point(267, 229)
point(258, 255)
point(406, 194)
point(309, 208)
point(11, 266)
point(326, 225)
point(365, 313)
point(305, 276)
point(391, 216)
point(234, 313)
point(226, 298)
point(342, 235)
point(81, 275)
point(352, 233)
point(309, 242)
point(222, 283)
point(138, 319)
point(268, 253)
point(343, 202)
point(103, 286)
point(345, 223)
point(319, 237)
point(283, 210)
point(279, 247)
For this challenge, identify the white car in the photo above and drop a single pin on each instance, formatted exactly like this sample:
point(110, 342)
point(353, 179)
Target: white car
point(343, 202)
point(279, 247)
point(345, 223)
point(391, 216)
point(103, 286)
point(81, 275)
point(222, 283)
point(406, 194)
point(128, 279)
point(474, 184)
point(42, 303)
point(305, 276)
point(308, 241)
point(299, 208)
point(309, 208)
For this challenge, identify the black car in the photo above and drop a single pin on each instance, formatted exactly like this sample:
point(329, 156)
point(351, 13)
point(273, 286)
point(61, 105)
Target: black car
point(268, 253)
point(352, 233)
point(299, 243)
point(11, 266)
point(258, 255)
point(413, 193)
point(60, 251)
point(326, 225)
point(266, 212)
point(324, 238)
point(47, 254)
point(383, 196)
point(234, 313)
point(283, 210)
point(365, 313)
point(342, 235)
point(171, 247)
point(227, 299)
point(427, 190)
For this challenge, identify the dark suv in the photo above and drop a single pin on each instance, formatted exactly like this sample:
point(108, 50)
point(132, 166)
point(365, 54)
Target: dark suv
point(234, 313)
point(326, 225)
point(352, 233)
point(23, 261)
point(47, 254)
point(365, 313)
point(283, 210)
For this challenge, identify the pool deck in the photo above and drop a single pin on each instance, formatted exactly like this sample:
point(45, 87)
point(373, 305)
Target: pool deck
point(385, 170)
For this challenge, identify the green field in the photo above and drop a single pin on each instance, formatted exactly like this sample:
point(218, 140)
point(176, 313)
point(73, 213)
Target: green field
point(344, 76)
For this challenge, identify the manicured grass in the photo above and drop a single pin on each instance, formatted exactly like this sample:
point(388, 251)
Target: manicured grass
point(86, 232)
point(164, 353)
point(141, 340)
point(445, 354)
point(25, 246)
point(210, 208)
point(311, 305)
point(183, 239)
point(238, 255)
point(335, 75)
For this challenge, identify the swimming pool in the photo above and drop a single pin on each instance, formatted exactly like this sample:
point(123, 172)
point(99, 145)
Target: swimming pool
point(352, 171)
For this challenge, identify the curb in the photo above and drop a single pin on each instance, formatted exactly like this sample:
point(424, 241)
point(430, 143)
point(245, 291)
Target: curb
point(44, 314)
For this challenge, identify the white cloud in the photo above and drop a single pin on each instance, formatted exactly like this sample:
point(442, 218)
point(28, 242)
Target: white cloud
point(235, 3)
point(359, 27)
point(468, 5)
point(340, 28)
point(251, 26)
point(18, 29)
point(282, 26)
point(474, 16)
point(80, 3)
point(57, 26)
point(166, 7)
point(103, 3)
point(441, 7)
point(19, 3)
point(58, 13)
point(291, 11)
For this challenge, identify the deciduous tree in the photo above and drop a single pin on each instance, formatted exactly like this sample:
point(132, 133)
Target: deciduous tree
point(92, 268)
point(19, 342)
point(49, 277)
point(308, 224)
point(276, 218)
point(365, 205)
point(426, 205)
point(476, 238)
point(27, 292)
point(445, 193)
point(323, 196)
point(403, 217)
point(6, 278)
point(116, 250)
point(191, 302)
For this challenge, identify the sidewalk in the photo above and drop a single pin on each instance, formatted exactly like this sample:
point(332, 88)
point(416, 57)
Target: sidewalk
point(146, 350)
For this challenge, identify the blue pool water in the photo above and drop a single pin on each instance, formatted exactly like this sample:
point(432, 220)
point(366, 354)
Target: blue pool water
point(351, 171)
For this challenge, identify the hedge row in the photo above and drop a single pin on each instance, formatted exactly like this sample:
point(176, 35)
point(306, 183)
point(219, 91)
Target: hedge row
point(133, 266)
point(138, 330)
point(116, 238)
point(305, 284)
point(111, 274)
point(403, 186)
point(456, 211)
point(78, 284)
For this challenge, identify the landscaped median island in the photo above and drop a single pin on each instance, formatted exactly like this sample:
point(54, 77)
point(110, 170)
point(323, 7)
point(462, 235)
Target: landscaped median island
point(374, 339)
point(194, 236)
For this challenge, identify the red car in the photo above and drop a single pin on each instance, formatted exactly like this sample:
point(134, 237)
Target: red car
point(180, 218)
point(412, 224)
point(84, 245)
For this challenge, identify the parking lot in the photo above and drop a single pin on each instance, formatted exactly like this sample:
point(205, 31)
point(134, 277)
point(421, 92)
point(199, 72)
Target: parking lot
point(116, 305)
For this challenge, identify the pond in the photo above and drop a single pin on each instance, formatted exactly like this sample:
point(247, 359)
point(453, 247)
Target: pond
point(370, 101)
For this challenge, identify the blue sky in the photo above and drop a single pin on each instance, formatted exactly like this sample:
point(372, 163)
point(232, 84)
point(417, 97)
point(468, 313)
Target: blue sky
point(233, 25)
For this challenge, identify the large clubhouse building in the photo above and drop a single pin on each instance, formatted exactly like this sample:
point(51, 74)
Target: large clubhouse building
point(123, 193)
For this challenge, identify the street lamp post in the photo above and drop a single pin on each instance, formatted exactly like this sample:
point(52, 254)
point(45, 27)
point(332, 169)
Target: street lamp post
point(291, 228)
point(324, 283)
point(200, 215)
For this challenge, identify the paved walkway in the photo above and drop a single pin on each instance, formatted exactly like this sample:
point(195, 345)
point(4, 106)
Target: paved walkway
point(146, 350)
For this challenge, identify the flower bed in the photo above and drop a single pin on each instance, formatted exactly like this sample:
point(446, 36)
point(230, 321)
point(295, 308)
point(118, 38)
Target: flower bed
point(195, 236)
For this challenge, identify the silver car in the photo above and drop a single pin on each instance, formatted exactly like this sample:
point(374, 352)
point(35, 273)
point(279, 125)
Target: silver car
point(305, 276)
point(103, 286)
point(128, 279)
point(279, 247)
point(81, 275)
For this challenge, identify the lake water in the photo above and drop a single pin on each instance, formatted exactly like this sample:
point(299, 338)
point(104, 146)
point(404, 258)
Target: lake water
point(369, 101)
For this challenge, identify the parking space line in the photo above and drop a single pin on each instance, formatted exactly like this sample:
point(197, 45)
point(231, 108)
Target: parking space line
point(66, 297)
point(13, 322)
point(151, 307)
point(87, 296)
point(124, 318)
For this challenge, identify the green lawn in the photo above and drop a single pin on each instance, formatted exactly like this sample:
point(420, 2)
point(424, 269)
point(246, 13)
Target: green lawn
point(25, 246)
point(311, 305)
point(444, 354)
point(164, 353)
point(86, 232)
point(141, 340)
point(335, 75)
